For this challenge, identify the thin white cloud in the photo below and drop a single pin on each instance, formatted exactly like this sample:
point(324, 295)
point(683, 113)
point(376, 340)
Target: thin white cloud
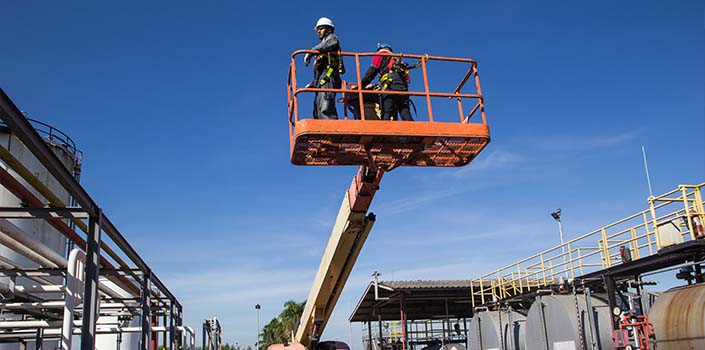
point(496, 159)
point(576, 142)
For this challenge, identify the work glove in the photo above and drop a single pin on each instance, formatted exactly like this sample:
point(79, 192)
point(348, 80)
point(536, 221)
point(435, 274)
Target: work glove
point(307, 59)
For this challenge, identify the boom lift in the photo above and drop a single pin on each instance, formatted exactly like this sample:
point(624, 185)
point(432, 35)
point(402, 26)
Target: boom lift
point(350, 231)
point(375, 146)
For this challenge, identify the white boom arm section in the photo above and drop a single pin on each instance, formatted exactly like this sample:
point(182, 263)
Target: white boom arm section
point(352, 226)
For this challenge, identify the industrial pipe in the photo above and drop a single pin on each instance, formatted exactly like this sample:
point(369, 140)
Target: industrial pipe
point(14, 186)
point(45, 256)
point(35, 288)
point(6, 263)
point(28, 324)
point(54, 201)
point(19, 235)
point(18, 240)
point(23, 250)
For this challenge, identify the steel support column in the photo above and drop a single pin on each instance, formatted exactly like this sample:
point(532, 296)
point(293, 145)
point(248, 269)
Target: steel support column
point(155, 322)
point(172, 327)
point(379, 327)
point(39, 342)
point(402, 316)
point(145, 319)
point(611, 289)
point(369, 334)
point(203, 336)
point(179, 323)
point(90, 295)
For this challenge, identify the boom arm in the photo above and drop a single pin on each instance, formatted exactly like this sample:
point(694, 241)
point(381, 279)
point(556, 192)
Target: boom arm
point(350, 231)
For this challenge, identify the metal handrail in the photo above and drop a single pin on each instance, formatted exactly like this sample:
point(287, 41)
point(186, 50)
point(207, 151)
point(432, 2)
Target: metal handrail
point(55, 135)
point(293, 89)
point(643, 239)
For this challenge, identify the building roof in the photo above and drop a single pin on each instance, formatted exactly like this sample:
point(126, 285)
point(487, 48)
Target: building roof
point(423, 299)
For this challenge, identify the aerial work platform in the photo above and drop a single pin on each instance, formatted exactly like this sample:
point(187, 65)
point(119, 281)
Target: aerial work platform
point(388, 144)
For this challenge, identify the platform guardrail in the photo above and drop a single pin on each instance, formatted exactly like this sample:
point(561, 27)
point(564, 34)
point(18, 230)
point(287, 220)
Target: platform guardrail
point(671, 218)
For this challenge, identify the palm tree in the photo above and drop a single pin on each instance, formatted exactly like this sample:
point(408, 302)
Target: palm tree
point(272, 333)
point(280, 328)
point(291, 315)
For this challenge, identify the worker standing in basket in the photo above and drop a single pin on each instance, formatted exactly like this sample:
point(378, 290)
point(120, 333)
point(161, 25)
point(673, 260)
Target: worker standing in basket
point(326, 69)
point(393, 76)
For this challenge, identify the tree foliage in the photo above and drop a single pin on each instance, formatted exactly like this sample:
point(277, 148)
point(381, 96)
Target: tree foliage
point(281, 328)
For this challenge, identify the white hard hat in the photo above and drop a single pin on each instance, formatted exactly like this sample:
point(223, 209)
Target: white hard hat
point(324, 21)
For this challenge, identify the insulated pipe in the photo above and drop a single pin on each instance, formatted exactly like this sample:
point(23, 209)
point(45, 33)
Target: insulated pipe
point(25, 195)
point(24, 131)
point(58, 305)
point(55, 201)
point(192, 336)
point(37, 288)
point(49, 329)
point(27, 324)
point(40, 288)
point(36, 251)
point(24, 250)
point(44, 253)
point(5, 263)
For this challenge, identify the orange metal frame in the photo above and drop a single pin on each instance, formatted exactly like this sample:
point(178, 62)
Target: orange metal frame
point(388, 144)
point(642, 328)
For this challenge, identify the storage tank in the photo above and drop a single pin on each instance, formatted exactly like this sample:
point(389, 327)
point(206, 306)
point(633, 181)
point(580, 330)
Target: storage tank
point(678, 316)
point(552, 323)
point(486, 328)
point(37, 229)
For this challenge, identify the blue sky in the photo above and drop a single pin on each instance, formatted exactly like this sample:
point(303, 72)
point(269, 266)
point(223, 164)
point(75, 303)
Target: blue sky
point(180, 108)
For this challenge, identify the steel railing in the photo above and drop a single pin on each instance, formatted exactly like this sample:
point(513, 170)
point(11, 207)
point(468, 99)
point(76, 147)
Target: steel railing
point(640, 233)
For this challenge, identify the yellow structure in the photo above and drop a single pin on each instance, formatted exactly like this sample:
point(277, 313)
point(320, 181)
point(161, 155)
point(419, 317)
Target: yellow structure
point(671, 219)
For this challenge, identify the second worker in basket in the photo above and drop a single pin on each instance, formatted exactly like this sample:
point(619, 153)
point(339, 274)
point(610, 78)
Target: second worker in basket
point(393, 76)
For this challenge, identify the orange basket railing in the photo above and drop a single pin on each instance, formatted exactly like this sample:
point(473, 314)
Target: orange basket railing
point(293, 89)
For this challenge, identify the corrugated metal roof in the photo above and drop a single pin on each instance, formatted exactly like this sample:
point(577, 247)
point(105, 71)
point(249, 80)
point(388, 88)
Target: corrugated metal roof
point(424, 299)
point(425, 284)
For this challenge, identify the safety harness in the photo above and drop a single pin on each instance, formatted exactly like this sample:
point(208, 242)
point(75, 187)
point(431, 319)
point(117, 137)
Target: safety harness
point(394, 66)
point(334, 62)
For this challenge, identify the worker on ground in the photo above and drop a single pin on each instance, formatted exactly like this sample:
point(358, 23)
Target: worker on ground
point(326, 69)
point(393, 76)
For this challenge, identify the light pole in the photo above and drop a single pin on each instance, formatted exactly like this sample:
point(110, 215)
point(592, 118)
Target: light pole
point(557, 216)
point(257, 307)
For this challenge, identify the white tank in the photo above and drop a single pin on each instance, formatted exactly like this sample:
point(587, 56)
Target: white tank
point(552, 322)
point(497, 330)
point(37, 229)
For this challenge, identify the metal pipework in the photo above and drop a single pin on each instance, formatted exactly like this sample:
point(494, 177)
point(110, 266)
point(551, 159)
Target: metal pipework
point(97, 222)
point(54, 201)
point(11, 265)
point(14, 186)
point(25, 251)
point(33, 141)
point(15, 238)
point(376, 277)
point(51, 258)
